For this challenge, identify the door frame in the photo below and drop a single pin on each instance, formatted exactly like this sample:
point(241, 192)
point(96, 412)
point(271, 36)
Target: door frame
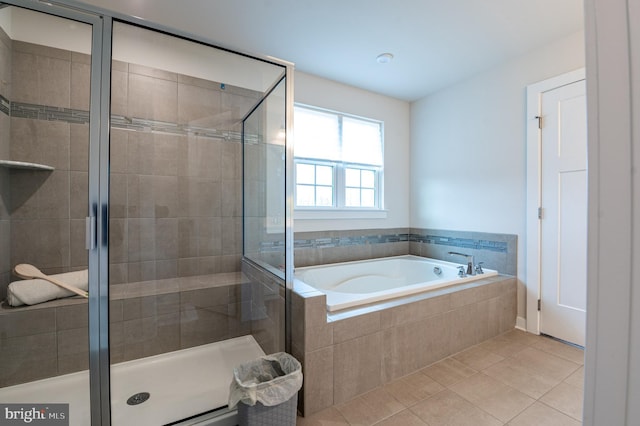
point(534, 189)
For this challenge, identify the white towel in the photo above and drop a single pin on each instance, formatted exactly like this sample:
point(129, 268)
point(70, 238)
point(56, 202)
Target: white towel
point(30, 292)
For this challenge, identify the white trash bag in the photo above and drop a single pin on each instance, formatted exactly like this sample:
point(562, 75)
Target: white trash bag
point(271, 380)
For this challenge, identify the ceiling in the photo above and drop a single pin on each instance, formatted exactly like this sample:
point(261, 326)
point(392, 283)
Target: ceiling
point(434, 42)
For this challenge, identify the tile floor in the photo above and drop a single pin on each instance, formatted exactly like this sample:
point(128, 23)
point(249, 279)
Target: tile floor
point(515, 379)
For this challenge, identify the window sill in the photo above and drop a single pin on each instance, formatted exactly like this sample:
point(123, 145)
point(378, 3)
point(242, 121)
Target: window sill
point(339, 214)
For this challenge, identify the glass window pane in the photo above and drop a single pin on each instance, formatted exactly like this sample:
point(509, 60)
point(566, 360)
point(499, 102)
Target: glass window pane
point(368, 179)
point(368, 198)
point(305, 195)
point(324, 196)
point(324, 175)
point(352, 197)
point(352, 177)
point(305, 173)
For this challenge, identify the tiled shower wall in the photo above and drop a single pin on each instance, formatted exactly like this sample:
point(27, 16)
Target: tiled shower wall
point(175, 191)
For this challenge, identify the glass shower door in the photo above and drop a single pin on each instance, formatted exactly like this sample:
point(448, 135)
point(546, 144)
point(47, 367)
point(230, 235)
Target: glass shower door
point(181, 314)
point(45, 96)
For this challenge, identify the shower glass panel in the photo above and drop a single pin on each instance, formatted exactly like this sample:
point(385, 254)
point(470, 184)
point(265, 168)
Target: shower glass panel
point(264, 182)
point(45, 75)
point(181, 308)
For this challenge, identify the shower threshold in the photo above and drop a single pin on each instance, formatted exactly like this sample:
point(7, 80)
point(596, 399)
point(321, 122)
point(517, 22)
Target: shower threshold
point(179, 385)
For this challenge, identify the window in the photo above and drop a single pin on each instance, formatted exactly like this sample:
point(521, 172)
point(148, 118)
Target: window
point(338, 160)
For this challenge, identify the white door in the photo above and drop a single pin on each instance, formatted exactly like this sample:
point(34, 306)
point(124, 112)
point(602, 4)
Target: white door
point(563, 257)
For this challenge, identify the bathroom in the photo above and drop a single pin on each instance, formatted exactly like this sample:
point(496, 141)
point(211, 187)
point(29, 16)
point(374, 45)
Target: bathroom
point(131, 259)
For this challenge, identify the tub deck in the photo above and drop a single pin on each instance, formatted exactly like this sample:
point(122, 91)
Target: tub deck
point(181, 383)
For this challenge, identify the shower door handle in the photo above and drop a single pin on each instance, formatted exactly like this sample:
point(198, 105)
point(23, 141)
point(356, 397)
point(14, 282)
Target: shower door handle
point(90, 233)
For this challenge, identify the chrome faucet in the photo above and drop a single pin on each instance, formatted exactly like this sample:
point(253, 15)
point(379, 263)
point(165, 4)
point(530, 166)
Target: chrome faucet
point(470, 267)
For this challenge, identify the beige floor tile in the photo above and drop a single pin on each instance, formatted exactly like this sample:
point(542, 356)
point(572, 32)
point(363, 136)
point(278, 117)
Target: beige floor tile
point(413, 388)
point(492, 396)
point(565, 398)
point(502, 346)
point(539, 414)
point(576, 379)
point(448, 371)
point(511, 372)
point(521, 337)
point(449, 409)
point(563, 350)
point(370, 408)
point(403, 418)
point(546, 364)
point(478, 358)
point(328, 417)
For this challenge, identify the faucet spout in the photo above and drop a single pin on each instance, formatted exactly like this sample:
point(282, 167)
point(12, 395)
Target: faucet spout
point(470, 262)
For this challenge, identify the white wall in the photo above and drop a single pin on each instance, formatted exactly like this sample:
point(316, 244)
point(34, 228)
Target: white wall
point(612, 364)
point(316, 91)
point(468, 163)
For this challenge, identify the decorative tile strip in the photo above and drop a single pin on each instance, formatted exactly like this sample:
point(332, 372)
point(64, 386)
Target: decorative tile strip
point(76, 116)
point(497, 246)
point(5, 105)
point(328, 242)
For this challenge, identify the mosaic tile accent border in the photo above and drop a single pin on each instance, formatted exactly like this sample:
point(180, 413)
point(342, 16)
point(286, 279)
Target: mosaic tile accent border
point(344, 241)
point(76, 116)
point(5, 105)
point(350, 241)
point(496, 246)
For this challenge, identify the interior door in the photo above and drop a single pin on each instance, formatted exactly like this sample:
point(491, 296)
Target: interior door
point(563, 257)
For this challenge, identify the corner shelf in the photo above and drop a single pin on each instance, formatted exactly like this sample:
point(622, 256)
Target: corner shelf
point(23, 165)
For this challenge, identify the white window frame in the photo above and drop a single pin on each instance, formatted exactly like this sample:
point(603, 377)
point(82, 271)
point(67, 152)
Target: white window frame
point(339, 210)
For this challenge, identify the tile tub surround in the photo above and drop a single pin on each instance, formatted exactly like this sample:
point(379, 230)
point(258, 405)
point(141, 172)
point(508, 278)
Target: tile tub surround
point(146, 318)
point(350, 353)
point(497, 251)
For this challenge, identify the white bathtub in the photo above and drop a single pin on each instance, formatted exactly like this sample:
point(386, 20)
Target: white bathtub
point(351, 284)
point(181, 384)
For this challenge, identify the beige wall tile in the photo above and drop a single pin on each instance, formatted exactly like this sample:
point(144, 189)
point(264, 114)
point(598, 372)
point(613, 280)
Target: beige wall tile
point(357, 326)
point(356, 365)
point(319, 384)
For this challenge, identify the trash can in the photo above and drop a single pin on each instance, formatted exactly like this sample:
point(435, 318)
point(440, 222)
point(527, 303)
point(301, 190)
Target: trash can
point(266, 390)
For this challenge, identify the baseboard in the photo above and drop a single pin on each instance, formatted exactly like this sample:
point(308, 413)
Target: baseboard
point(521, 323)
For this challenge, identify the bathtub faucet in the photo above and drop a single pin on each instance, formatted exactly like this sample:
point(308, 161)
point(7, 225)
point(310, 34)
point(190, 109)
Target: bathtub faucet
point(470, 265)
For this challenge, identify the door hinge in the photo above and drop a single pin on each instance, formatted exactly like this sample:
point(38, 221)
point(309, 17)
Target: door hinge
point(539, 212)
point(539, 304)
point(539, 118)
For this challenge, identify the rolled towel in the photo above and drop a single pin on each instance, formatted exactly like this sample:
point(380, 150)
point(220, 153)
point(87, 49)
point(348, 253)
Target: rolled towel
point(31, 292)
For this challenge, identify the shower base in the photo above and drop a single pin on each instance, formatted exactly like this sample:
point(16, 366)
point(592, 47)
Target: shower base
point(180, 384)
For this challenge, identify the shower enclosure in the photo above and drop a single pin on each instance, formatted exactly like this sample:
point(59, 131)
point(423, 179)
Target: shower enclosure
point(155, 164)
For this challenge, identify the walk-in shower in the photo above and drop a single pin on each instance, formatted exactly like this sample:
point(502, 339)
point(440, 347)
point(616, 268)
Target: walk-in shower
point(157, 163)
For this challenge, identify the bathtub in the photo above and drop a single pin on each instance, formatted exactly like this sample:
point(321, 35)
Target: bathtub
point(352, 284)
point(181, 384)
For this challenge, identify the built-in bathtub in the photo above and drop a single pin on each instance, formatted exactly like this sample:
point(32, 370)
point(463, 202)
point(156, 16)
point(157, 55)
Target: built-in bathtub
point(351, 341)
point(180, 384)
point(351, 284)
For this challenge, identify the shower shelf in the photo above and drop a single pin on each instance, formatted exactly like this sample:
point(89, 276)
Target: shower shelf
point(23, 165)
